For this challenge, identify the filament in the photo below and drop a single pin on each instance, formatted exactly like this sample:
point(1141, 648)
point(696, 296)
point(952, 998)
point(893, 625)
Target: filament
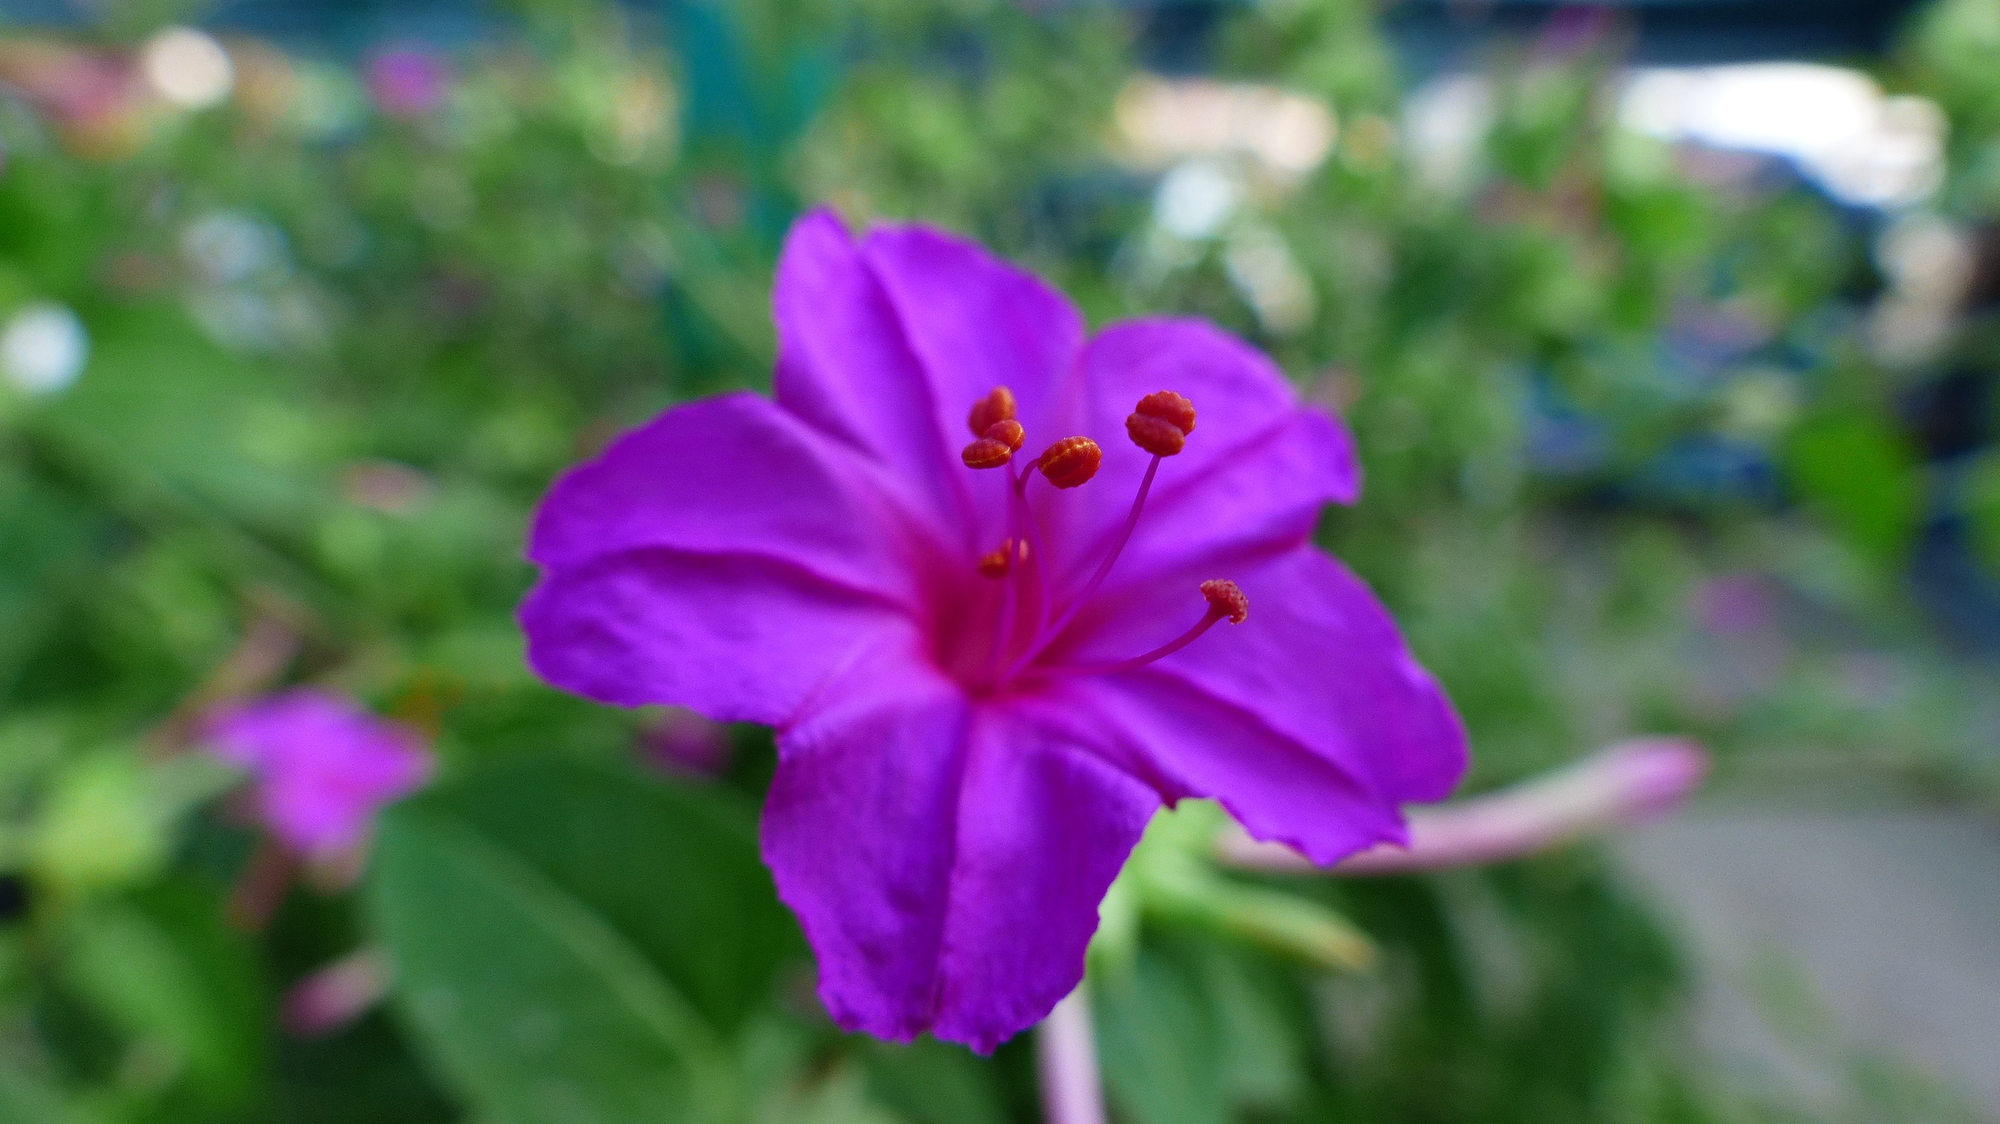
point(1207, 622)
point(1047, 635)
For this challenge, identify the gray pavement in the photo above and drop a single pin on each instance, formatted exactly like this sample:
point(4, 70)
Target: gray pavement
point(1824, 941)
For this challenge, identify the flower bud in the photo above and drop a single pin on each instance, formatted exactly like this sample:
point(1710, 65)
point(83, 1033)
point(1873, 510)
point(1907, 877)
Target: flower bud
point(1070, 461)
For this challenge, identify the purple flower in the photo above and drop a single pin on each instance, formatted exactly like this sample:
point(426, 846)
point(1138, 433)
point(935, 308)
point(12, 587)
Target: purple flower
point(406, 82)
point(970, 740)
point(322, 766)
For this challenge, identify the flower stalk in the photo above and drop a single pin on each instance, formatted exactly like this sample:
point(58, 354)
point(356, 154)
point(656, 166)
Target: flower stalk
point(1628, 784)
point(1066, 1063)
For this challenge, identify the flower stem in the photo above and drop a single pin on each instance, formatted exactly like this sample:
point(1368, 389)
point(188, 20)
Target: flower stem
point(1066, 1058)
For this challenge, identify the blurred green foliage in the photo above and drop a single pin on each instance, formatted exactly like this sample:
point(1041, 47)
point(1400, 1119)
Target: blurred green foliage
point(335, 354)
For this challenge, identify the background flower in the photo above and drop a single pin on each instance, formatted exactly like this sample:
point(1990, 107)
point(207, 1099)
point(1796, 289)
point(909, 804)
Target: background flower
point(321, 767)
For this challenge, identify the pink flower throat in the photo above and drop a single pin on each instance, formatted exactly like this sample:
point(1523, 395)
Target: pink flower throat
point(1159, 425)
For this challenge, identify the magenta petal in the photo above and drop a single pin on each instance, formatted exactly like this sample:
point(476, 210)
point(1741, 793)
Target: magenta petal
point(1310, 720)
point(846, 368)
point(945, 860)
point(733, 474)
point(735, 637)
point(976, 322)
point(1187, 742)
point(1257, 470)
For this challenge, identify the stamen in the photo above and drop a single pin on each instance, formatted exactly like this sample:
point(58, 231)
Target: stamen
point(1031, 549)
point(1225, 600)
point(1161, 423)
point(999, 562)
point(998, 405)
point(1070, 462)
point(987, 452)
point(1160, 411)
point(1228, 598)
point(1008, 430)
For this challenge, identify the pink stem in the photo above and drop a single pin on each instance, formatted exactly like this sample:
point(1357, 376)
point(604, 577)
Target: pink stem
point(336, 995)
point(1066, 1058)
point(1628, 784)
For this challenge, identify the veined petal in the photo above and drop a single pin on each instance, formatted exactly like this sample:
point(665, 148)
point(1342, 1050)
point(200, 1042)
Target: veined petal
point(737, 637)
point(1256, 471)
point(977, 322)
point(1311, 721)
point(946, 860)
point(846, 367)
point(734, 474)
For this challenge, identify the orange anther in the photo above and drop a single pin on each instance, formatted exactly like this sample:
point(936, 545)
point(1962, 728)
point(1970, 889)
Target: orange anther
point(1161, 422)
point(1155, 435)
point(997, 406)
point(1008, 430)
point(1226, 597)
point(996, 564)
point(1070, 461)
point(987, 452)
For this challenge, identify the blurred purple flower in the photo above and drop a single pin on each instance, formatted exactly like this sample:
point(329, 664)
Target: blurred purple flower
point(321, 766)
point(968, 746)
point(1733, 604)
point(407, 82)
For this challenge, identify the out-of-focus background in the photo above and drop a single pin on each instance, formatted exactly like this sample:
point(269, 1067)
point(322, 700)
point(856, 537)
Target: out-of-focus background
point(1669, 331)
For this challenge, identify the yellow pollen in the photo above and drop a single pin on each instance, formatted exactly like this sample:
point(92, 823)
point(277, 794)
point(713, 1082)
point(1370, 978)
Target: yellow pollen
point(997, 406)
point(1070, 461)
point(1226, 597)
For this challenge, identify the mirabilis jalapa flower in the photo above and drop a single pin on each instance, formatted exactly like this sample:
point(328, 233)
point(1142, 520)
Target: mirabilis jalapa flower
point(985, 684)
point(321, 766)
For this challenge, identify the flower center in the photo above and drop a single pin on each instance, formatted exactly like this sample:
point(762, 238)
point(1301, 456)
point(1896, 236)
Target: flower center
point(1160, 425)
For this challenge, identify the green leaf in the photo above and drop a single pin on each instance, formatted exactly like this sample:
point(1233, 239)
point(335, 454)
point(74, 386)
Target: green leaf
point(164, 966)
point(668, 867)
point(932, 1082)
point(555, 935)
point(1162, 1053)
point(1862, 476)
